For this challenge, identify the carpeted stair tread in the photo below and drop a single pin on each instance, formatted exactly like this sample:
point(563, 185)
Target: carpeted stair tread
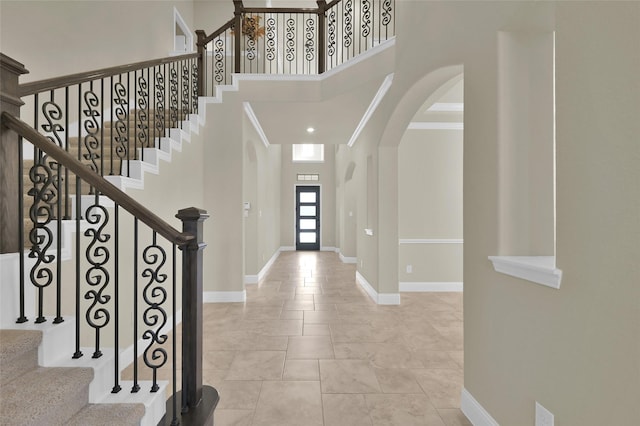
point(18, 352)
point(45, 396)
point(108, 415)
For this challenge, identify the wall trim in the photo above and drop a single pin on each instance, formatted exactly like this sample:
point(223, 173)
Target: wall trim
point(445, 125)
point(431, 241)
point(224, 296)
point(431, 286)
point(256, 123)
point(254, 279)
point(475, 412)
point(537, 269)
point(378, 298)
point(379, 96)
point(346, 259)
point(287, 248)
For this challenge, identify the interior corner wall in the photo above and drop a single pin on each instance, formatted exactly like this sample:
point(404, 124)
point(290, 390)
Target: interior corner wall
point(327, 182)
point(261, 189)
point(430, 206)
point(223, 192)
point(211, 15)
point(56, 38)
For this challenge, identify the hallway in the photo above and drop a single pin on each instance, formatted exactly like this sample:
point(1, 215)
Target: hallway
point(309, 348)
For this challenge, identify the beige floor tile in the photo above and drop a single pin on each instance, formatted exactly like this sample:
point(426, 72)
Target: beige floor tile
point(348, 376)
point(437, 360)
point(298, 305)
point(350, 333)
point(453, 417)
point(229, 417)
point(320, 317)
point(345, 410)
point(291, 315)
point(443, 387)
point(381, 355)
point(458, 357)
point(325, 306)
point(219, 360)
point(301, 369)
point(257, 365)
point(289, 403)
point(310, 347)
point(402, 410)
point(238, 395)
point(316, 330)
point(397, 380)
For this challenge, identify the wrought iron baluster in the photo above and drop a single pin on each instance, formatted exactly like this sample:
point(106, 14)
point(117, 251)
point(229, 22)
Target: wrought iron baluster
point(22, 317)
point(122, 124)
point(136, 387)
point(78, 353)
point(142, 117)
point(270, 41)
point(185, 88)
point(219, 72)
point(92, 129)
point(116, 300)
point(331, 36)
point(97, 275)
point(174, 309)
point(348, 27)
point(173, 96)
point(154, 316)
point(387, 15)
point(194, 87)
point(310, 35)
point(159, 110)
point(290, 43)
point(366, 22)
point(66, 137)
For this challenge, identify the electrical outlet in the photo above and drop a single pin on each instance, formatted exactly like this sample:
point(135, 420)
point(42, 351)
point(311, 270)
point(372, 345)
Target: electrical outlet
point(543, 416)
point(409, 269)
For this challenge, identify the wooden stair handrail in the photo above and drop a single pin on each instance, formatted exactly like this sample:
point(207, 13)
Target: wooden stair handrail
point(32, 88)
point(98, 182)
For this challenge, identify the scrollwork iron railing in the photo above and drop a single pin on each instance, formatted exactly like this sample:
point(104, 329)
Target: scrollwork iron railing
point(292, 40)
point(105, 222)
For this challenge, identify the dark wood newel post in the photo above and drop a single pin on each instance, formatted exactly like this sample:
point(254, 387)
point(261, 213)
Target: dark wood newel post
point(10, 102)
point(237, 34)
point(322, 9)
point(201, 61)
point(198, 401)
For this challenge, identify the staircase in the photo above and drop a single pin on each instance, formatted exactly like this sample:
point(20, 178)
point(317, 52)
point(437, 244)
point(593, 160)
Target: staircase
point(33, 395)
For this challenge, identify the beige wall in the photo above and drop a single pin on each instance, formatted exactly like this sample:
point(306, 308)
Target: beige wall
point(430, 205)
point(261, 186)
point(55, 38)
point(327, 183)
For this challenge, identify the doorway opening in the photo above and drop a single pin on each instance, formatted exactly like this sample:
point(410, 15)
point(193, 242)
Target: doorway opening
point(308, 217)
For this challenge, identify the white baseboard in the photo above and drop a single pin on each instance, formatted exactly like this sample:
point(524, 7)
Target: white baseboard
point(346, 259)
point(475, 412)
point(431, 286)
point(254, 279)
point(224, 296)
point(378, 298)
point(329, 248)
point(287, 248)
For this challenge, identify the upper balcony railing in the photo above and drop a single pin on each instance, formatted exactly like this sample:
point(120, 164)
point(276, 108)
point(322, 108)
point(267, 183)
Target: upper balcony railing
point(292, 40)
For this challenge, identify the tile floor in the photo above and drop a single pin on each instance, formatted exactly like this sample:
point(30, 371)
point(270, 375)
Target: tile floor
point(309, 347)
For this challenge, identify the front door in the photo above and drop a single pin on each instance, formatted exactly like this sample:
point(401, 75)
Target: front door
point(307, 218)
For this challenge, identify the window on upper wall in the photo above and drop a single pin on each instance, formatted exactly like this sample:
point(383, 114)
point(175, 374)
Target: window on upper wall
point(308, 153)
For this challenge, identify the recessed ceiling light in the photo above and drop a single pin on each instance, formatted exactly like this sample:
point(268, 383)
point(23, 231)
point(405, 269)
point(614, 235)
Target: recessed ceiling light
point(310, 130)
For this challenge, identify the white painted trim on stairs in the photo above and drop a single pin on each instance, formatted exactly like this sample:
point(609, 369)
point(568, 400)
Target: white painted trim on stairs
point(254, 279)
point(431, 286)
point(378, 298)
point(379, 96)
point(475, 412)
point(256, 123)
point(224, 296)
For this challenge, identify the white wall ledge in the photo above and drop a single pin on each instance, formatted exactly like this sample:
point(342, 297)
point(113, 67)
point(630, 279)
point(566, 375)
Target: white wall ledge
point(538, 269)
